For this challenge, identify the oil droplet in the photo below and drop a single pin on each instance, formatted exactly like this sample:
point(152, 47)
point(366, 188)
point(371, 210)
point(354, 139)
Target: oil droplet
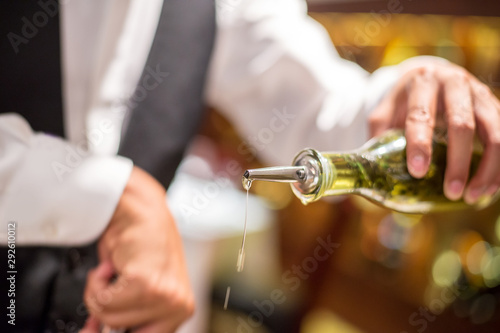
point(247, 183)
point(228, 291)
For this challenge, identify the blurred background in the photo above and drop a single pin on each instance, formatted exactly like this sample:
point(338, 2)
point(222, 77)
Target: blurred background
point(345, 266)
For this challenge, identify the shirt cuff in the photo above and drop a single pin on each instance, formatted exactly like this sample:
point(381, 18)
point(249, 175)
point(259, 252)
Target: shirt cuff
point(61, 195)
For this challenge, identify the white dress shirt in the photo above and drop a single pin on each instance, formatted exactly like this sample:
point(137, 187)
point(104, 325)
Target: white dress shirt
point(274, 74)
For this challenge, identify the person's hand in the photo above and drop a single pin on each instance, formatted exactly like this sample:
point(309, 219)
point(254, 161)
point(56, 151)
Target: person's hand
point(92, 325)
point(442, 94)
point(141, 248)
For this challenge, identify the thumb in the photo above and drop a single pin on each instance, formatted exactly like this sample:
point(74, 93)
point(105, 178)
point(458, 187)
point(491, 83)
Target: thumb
point(91, 325)
point(98, 280)
point(104, 272)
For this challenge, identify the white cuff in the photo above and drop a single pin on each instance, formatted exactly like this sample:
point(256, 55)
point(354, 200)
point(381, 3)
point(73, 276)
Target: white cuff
point(58, 195)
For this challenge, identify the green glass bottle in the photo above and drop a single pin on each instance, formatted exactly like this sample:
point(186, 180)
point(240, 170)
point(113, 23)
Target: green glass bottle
point(376, 171)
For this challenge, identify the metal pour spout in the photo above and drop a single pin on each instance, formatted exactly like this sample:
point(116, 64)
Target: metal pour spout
point(288, 174)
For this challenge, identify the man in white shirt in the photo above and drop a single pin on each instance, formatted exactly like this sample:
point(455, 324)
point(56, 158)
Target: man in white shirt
point(268, 55)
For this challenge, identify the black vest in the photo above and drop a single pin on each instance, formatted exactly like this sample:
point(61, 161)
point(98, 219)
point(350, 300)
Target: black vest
point(166, 111)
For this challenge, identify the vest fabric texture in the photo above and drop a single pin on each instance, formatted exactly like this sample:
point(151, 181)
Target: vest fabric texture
point(167, 110)
point(169, 96)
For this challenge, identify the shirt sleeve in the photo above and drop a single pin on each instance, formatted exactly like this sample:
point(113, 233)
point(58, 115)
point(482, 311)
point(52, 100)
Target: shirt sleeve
point(277, 77)
point(55, 192)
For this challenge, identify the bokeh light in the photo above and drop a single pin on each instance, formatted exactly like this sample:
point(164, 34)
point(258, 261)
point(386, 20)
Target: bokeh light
point(446, 269)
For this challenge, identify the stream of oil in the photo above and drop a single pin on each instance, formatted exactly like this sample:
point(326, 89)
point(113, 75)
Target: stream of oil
point(241, 253)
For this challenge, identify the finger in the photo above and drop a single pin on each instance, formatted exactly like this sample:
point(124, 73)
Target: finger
point(391, 111)
point(137, 316)
point(121, 295)
point(493, 189)
point(163, 326)
point(459, 116)
point(131, 306)
point(381, 118)
point(128, 293)
point(420, 121)
point(97, 283)
point(91, 325)
point(124, 294)
point(487, 178)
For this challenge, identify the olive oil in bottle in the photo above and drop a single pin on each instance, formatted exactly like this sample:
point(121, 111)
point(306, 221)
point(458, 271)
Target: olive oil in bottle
point(376, 171)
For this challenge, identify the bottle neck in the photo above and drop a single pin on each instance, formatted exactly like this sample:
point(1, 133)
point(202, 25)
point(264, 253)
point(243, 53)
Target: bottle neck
point(315, 174)
point(346, 173)
point(330, 173)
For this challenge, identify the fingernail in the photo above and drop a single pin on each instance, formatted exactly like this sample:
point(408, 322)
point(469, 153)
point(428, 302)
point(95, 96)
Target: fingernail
point(473, 195)
point(455, 189)
point(418, 165)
